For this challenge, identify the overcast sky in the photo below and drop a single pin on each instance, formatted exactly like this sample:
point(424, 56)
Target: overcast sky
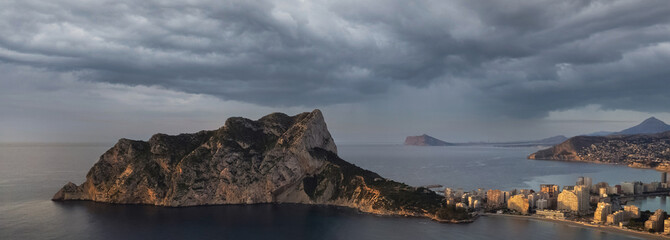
point(460, 70)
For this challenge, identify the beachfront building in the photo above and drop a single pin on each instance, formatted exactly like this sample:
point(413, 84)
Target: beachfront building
point(551, 214)
point(615, 218)
point(552, 190)
point(568, 201)
point(518, 203)
point(602, 211)
point(495, 199)
point(656, 221)
point(584, 196)
point(576, 200)
point(632, 212)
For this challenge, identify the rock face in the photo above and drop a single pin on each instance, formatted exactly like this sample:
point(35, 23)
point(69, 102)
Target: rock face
point(568, 150)
point(425, 140)
point(276, 159)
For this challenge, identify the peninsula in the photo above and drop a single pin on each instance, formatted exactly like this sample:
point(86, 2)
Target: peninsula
point(275, 159)
point(640, 150)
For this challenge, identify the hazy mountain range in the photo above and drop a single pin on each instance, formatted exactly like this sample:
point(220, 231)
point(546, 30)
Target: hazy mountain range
point(651, 125)
point(426, 140)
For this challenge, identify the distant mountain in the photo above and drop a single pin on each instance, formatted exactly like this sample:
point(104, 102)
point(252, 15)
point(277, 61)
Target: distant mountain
point(599, 133)
point(425, 140)
point(551, 140)
point(651, 125)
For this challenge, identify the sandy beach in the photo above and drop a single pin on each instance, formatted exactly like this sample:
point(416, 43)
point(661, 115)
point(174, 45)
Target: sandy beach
point(586, 225)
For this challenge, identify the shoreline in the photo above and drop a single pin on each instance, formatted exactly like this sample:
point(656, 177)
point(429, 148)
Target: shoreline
point(606, 228)
point(398, 214)
point(657, 168)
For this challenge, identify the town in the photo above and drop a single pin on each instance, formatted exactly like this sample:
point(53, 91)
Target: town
point(637, 152)
point(597, 204)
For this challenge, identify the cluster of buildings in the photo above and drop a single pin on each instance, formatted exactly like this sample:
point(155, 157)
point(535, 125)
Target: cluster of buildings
point(645, 151)
point(462, 199)
point(583, 199)
point(604, 214)
point(657, 222)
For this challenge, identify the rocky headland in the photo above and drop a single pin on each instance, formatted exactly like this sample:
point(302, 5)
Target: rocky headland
point(641, 150)
point(275, 159)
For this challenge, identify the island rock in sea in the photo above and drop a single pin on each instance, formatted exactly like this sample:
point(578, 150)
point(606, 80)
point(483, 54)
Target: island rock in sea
point(425, 140)
point(276, 159)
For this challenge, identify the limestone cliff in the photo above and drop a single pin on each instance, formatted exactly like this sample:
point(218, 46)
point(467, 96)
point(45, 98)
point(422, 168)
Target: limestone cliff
point(276, 159)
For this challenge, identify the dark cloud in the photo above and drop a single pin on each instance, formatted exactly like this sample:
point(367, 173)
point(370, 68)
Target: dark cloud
point(518, 58)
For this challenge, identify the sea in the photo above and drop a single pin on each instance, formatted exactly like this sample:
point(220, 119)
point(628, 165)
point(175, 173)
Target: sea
point(30, 174)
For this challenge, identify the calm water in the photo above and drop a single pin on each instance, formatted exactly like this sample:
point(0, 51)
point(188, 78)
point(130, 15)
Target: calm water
point(30, 175)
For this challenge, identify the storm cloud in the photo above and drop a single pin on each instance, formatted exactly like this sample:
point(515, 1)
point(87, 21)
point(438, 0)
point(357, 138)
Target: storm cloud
point(517, 58)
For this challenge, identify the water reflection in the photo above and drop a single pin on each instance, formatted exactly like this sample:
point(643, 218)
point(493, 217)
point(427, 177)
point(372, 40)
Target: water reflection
point(651, 203)
point(292, 221)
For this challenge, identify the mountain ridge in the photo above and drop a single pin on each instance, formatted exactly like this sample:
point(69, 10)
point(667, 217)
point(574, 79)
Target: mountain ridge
point(649, 125)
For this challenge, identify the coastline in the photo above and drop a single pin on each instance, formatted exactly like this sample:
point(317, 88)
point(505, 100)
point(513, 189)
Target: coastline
point(638, 166)
point(398, 214)
point(607, 228)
